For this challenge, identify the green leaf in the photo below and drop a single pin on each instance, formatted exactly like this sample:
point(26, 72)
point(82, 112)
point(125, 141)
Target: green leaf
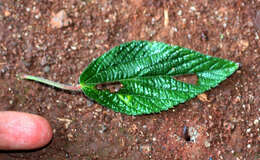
point(146, 70)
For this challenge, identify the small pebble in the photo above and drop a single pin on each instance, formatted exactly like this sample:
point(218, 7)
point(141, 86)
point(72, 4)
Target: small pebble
point(179, 13)
point(60, 20)
point(73, 48)
point(256, 122)
point(189, 36)
point(103, 128)
point(28, 9)
point(207, 144)
point(146, 149)
point(256, 36)
point(175, 29)
point(193, 133)
point(46, 69)
point(192, 8)
point(11, 102)
point(98, 110)
point(37, 16)
point(89, 103)
point(70, 136)
point(243, 44)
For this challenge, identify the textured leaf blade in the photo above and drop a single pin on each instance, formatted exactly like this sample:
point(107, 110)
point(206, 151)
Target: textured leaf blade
point(146, 70)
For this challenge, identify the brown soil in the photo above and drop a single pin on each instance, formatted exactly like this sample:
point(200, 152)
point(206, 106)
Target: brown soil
point(221, 124)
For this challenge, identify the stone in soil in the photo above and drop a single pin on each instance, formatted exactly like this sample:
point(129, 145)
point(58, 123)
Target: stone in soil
point(146, 148)
point(193, 133)
point(243, 44)
point(60, 20)
point(46, 69)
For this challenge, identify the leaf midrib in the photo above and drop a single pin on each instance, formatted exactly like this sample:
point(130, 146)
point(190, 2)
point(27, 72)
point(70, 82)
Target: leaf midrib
point(145, 77)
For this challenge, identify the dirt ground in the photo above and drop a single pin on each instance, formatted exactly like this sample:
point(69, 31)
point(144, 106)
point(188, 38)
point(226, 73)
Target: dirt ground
point(58, 39)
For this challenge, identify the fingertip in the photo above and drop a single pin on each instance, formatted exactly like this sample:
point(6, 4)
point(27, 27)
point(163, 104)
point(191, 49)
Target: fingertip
point(23, 131)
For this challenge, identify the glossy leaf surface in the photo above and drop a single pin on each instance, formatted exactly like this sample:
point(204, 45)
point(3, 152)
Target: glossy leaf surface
point(146, 70)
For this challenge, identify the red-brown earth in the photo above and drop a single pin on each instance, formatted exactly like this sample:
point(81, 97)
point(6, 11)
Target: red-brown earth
point(58, 39)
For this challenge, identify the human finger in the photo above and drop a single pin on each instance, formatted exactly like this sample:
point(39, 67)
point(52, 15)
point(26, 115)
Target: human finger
point(23, 131)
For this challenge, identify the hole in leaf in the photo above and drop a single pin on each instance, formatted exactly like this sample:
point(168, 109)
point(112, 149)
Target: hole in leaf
point(188, 78)
point(112, 87)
